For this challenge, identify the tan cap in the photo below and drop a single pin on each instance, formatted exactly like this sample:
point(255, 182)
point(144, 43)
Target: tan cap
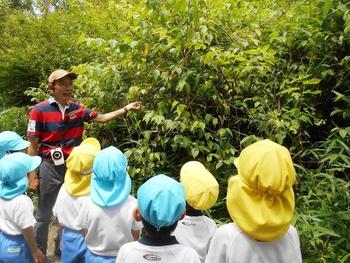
point(60, 73)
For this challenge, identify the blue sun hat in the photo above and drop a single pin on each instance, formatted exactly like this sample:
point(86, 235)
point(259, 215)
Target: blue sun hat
point(11, 141)
point(161, 201)
point(13, 173)
point(110, 182)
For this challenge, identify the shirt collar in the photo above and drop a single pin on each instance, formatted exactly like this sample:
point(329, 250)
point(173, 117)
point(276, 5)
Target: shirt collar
point(156, 242)
point(52, 100)
point(62, 109)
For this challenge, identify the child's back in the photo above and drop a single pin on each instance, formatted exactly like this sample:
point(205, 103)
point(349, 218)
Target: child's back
point(202, 190)
point(107, 217)
point(108, 228)
point(70, 199)
point(242, 248)
point(16, 214)
point(196, 232)
point(17, 238)
point(260, 201)
point(161, 203)
point(145, 251)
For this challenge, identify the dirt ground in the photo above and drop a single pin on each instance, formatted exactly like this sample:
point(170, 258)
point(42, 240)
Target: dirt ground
point(51, 245)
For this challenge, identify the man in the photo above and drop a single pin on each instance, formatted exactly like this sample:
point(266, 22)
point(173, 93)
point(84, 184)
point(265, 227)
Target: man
point(56, 126)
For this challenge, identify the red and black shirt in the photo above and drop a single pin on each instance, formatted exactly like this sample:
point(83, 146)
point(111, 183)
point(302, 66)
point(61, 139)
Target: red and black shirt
point(56, 128)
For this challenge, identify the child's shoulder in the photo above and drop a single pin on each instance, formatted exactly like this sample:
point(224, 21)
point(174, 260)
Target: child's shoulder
point(19, 201)
point(228, 230)
point(22, 198)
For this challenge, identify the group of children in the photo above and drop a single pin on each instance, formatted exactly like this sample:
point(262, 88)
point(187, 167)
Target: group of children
point(100, 221)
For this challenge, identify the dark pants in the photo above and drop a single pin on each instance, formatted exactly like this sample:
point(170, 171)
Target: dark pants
point(51, 180)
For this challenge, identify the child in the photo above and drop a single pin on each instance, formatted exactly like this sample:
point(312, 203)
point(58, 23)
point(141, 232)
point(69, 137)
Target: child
point(76, 187)
point(11, 141)
point(260, 200)
point(17, 238)
point(107, 217)
point(161, 203)
point(202, 190)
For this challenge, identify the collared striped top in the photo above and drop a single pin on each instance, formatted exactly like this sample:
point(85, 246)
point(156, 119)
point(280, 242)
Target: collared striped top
point(50, 124)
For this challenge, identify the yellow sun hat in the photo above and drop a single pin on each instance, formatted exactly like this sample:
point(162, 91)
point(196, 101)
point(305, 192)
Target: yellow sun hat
point(200, 185)
point(79, 167)
point(260, 199)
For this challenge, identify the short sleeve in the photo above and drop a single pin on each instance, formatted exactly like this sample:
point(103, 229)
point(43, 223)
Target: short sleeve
point(35, 123)
point(89, 115)
point(121, 255)
point(23, 213)
point(82, 219)
point(218, 247)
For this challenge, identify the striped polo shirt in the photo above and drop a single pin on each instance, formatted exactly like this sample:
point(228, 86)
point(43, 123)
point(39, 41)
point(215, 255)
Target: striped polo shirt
point(49, 121)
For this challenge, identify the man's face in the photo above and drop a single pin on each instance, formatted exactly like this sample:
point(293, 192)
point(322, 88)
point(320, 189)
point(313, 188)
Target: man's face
point(62, 90)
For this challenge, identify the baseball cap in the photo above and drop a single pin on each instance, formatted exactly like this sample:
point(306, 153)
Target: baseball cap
point(60, 73)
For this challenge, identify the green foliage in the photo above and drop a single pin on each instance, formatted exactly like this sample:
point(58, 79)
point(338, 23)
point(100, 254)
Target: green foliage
point(210, 74)
point(323, 209)
point(14, 119)
point(213, 77)
point(33, 46)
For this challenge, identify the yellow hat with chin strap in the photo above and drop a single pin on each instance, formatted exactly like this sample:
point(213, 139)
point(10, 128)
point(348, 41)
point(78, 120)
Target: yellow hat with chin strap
point(260, 199)
point(200, 185)
point(79, 167)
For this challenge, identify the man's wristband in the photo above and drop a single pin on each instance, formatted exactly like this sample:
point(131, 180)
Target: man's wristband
point(125, 110)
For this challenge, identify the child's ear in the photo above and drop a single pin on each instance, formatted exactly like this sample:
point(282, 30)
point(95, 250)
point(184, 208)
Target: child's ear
point(137, 215)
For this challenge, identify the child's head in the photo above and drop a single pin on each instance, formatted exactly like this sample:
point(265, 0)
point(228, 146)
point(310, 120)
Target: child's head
point(110, 182)
point(79, 167)
point(13, 173)
point(11, 141)
point(260, 199)
point(200, 185)
point(161, 203)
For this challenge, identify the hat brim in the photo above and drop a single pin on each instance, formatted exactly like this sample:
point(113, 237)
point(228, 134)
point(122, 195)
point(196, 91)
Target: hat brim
point(36, 161)
point(9, 192)
point(107, 193)
point(16, 147)
point(21, 145)
point(71, 75)
point(261, 217)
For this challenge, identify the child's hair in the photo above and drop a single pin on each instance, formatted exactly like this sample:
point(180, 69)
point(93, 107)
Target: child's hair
point(160, 233)
point(190, 211)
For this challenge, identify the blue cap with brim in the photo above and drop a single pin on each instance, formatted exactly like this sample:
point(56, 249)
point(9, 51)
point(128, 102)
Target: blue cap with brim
point(13, 173)
point(110, 182)
point(11, 141)
point(161, 201)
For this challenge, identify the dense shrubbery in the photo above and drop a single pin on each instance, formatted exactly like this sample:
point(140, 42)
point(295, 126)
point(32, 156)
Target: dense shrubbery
point(215, 76)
